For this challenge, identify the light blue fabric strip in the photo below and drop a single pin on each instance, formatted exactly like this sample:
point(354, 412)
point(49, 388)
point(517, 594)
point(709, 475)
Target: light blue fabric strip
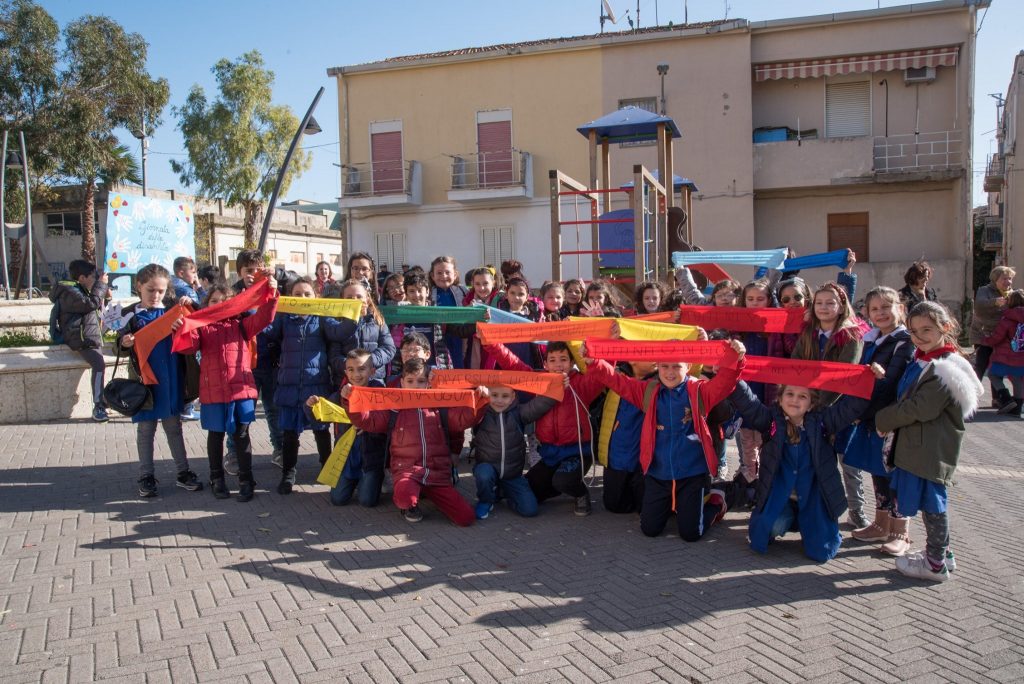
point(769, 258)
point(499, 316)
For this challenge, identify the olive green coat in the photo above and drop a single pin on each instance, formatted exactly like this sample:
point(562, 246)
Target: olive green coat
point(929, 418)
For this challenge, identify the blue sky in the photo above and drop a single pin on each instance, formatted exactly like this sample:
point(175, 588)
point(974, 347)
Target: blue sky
point(300, 39)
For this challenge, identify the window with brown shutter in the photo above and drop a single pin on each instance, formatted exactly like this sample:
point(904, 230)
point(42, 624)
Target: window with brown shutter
point(849, 231)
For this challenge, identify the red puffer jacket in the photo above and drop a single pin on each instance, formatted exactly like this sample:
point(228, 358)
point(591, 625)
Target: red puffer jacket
point(569, 421)
point(418, 446)
point(1003, 335)
point(225, 367)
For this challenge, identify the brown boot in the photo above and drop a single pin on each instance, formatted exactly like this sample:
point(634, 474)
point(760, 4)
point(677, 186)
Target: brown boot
point(877, 531)
point(898, 542)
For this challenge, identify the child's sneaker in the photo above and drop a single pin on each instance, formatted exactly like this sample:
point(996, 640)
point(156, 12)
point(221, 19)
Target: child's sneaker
point(246, 490)
point(190, 413)
point(716, 497)
point(188, 480)
point(950, 560)
point(287, 482)
point(147, 486)
point(483, 509)
point(277, 458)
point(99, 414)
point(918, 566)
point(413, 514)
point(581, 507)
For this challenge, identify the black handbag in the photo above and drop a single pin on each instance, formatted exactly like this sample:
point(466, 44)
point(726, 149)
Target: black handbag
point(126, 396)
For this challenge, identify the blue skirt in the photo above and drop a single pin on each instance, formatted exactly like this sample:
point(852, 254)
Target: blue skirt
point(226, 417)
point(915, 494)
point(1004, 370)
point(864, 450)
point(296, 419)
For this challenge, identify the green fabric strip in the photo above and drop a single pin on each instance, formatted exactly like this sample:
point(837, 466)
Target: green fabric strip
point(454, 315)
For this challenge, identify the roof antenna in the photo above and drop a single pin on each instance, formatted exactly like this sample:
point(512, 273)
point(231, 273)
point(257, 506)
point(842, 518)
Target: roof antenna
point(607, 13)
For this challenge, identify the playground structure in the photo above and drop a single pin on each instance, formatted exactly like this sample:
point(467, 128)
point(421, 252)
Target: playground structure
point(650, 202)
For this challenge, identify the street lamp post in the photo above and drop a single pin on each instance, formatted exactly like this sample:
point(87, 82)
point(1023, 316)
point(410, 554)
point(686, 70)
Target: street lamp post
point(662, 70)
point(140, 135)
point(308, 126)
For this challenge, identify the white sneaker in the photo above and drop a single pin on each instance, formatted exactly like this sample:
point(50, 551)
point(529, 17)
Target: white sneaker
point(950, 559)
point(916, 565)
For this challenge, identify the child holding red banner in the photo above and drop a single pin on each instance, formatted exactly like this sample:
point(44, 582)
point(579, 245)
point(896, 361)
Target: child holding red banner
point(228, 392)
point(799, 486)
point(168, 368)
point(832, 332)
point(676, 450)
point(303, 373)
point(564, 432)
point(936, 395)
point(420, 462)
point(888, 346)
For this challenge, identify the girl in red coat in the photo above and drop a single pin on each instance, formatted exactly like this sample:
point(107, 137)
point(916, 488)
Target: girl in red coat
point(420, 460)
point(227, 388)
point(1007, 341)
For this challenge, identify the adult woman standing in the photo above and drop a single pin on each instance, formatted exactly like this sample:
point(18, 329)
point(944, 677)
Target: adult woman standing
point(916, 289)
point(989, 304)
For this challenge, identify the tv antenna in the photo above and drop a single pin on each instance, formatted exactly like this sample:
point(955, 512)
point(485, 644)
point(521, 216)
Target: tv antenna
point(607, 13)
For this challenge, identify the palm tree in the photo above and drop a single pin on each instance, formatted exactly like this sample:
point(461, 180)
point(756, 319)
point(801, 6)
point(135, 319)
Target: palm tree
point(113, 164)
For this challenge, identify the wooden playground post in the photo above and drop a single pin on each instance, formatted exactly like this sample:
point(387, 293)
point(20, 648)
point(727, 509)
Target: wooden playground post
point(554, 187)
point(606, 174)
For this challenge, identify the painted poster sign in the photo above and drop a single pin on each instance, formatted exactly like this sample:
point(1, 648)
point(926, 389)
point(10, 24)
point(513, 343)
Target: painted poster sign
point(145, 230)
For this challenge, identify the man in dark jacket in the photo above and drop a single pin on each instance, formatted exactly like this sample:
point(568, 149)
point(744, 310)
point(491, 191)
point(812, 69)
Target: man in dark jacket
point(79, 302)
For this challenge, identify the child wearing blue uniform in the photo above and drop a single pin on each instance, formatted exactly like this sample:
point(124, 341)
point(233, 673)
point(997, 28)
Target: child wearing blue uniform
point(799, 486)
point(936, 395)
point(168, 394)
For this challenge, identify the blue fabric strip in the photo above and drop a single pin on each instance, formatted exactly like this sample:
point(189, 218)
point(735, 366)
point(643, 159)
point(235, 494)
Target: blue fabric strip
point(837, 258)
point(769, 258)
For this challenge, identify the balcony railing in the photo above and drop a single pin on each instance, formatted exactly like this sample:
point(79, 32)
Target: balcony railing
point(995, 171)
point(485, 170)
point(377, 178)
point(992, 235)
point(935, 151)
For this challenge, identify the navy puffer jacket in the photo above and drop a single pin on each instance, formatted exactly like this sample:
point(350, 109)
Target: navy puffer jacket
point(302, 370)
point(365, 334)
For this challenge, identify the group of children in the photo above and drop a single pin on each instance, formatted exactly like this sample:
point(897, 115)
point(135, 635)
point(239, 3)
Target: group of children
point(658, 430)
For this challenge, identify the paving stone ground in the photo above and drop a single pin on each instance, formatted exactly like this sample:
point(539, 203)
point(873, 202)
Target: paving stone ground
point(96, 584)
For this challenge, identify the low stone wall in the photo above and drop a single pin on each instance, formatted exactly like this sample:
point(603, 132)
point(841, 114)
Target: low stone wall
point(25, 316)
point(40, 384)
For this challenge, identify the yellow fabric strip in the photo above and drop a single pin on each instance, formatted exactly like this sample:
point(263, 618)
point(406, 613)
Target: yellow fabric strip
point(328, 412)
point(331, 472)
point(308, 306)
point(604, 437)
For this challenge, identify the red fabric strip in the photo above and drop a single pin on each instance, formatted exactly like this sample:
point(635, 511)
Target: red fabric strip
point(844, 378)
point(252, 298)
point(713, 272)
point(708, 353)
point(365, 399)
point(740, 319)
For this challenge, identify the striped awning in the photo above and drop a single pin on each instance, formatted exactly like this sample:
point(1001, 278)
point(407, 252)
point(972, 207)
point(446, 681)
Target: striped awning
point(857, 64)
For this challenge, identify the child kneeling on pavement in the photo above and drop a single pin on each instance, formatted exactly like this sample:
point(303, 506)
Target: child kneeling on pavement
point(420, 462)
point(499, 448)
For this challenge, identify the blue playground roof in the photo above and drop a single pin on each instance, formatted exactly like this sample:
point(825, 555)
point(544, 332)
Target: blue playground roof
point(629, 124)
point(677, 181)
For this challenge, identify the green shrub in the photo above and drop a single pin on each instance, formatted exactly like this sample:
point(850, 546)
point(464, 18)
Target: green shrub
point(19, 338)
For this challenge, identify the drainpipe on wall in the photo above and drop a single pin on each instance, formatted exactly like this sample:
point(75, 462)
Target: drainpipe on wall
point(346, 248)
point(967, 183)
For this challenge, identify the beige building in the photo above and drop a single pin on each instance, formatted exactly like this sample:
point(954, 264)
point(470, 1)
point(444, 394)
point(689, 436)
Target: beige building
point(301, 234)
point(1004, 225)
point(849, 129)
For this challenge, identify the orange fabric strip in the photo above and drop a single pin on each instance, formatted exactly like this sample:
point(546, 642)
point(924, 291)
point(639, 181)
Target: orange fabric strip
point(708, 353)
point(384, 399)
point(558, 331)
point(660, 317)
point(548, 384)
point(149, 336)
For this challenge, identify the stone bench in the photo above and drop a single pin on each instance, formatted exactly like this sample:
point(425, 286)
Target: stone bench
point(40, 384)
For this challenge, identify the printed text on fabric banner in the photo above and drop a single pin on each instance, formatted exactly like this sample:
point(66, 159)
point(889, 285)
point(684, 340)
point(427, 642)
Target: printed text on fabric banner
point(548, 384)
point(385, 399)
point(308, 306)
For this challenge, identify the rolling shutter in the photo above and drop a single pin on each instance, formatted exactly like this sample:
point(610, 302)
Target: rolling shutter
point(498, 244)
point(386, 153)
point(494, 145)
point(390, 250)
point(847, 109)
point(850, 231)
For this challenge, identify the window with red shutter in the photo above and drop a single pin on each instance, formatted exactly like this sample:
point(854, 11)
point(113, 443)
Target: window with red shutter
point(494, 147)
point(387, 168)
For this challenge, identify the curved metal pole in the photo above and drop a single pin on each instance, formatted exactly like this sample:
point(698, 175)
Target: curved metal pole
point(3, 225)
point(284, 169)
point(28, 210)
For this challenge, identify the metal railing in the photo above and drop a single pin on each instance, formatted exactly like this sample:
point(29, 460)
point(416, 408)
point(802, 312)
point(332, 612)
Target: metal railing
point(995, 170)
point(932, 151)
point(376, 178)
point(483, 170)
point(992, 235)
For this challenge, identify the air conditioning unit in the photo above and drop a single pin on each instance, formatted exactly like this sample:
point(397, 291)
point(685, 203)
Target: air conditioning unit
point(918, 75)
